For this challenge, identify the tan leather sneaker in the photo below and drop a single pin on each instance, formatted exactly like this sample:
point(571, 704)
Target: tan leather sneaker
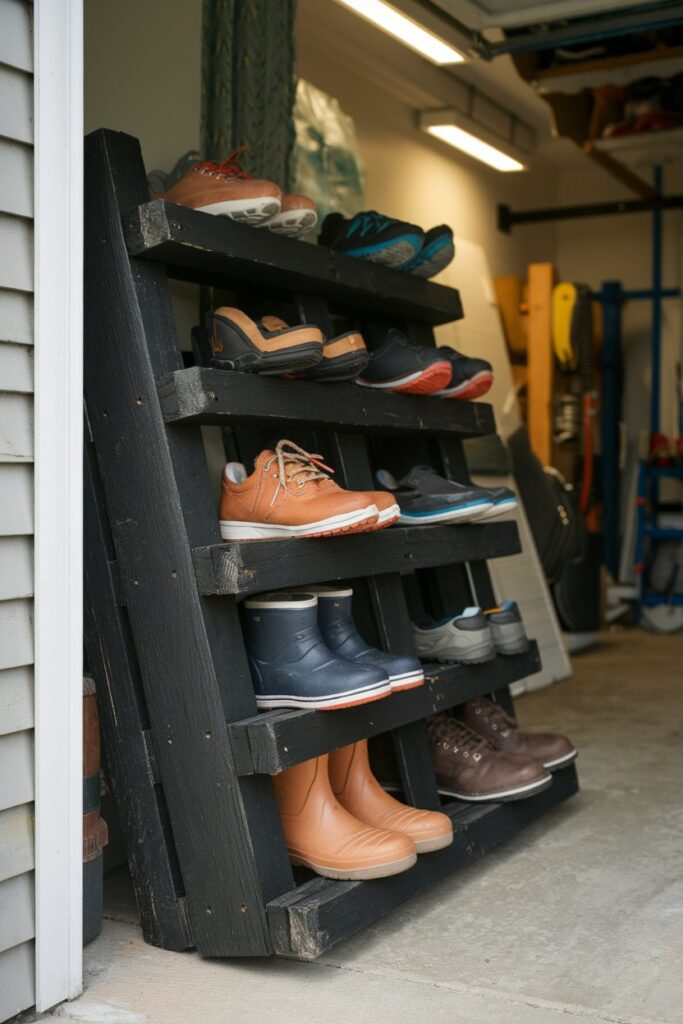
point(501, 730)
point(469, 768)
point(289, 494)
point(322, 835)
point(297, 216)
point(357, 789)
point(225, 189)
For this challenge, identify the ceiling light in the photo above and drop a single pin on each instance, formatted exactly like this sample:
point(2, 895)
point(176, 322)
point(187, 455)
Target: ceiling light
point(475, 139)
point(406, 30)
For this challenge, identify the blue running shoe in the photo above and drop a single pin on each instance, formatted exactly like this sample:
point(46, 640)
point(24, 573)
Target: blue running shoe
point(371, 236)
point(436, 253)
point(426, 498)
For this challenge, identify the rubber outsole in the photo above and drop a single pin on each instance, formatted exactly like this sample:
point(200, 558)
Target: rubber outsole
point(434, 844)
point(561, 762)
point(272, 364)
point(398, 685)
point(356, 874)
point(349, 522)
point(460, 660)
point(393, 254)
point(475, 387)
point(245, 211)
point(337, 703)
point(501, 796)
point(293, 224)
point(499, 509)
point(421, 382)
point(452, 515)
point(346, 367)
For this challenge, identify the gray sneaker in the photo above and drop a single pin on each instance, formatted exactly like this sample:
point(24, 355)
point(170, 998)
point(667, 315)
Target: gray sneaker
point(466, 637)
point(507, 628)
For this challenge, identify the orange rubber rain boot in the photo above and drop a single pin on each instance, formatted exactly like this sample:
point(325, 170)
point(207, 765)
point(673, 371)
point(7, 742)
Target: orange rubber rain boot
point(360, 793)
point(321, 835)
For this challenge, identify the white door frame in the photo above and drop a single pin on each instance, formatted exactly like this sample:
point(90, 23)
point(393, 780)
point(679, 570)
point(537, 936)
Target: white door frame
point(58, 154)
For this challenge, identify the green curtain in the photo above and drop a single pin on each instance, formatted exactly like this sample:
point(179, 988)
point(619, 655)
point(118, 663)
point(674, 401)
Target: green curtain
point(248, 84)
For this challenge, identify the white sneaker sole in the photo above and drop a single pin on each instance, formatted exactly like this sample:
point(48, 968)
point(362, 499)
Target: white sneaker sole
point(561, 762)
point(361, 695)
point(389, 515)
point(246, 211)
point(461, 515)
point(294, 223)
point(515, 793)
point(396, 382)
point(392, 867)
point(233, 530)
point(499, 509)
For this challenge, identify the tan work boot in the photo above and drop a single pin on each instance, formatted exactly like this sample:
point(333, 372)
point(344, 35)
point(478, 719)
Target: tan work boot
point(289, 494)
point(360, 793)
point(321, 835)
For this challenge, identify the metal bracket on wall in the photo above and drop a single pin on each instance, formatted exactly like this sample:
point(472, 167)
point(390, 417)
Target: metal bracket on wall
point(508, 219)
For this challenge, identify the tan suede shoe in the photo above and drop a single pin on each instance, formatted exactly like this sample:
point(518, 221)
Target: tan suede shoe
point(227, 190)
point(322, 835)
point(289, 494)
point(357, 789)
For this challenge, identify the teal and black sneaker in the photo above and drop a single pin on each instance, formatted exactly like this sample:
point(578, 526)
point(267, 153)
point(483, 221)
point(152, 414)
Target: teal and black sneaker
point(371, 236)
point(436, 253)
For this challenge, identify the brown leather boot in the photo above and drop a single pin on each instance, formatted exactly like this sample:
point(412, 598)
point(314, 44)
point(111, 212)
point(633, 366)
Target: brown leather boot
point(360, 793)
point(323, 836)
point(469, 768)
point(501, 730)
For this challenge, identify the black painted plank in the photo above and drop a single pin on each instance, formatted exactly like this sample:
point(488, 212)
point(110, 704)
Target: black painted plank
point(209, 396)
point(158, 500)
point(140, 804)
point(279, 739)
point(215, 250)
point(251, 567)
point(308, 922)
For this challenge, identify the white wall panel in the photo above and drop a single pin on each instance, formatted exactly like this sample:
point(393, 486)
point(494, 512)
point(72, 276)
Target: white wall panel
point(16, 367)
point(16, 499)
point(16, 841)
point(16, 178)
point(16, 109)
point(17, 980)
point(16, 701)
point(16, 633)
point(16, 317)
point(16, 35)
point(16, 250)
point(16, 427)
point(16, 911)
point(16, 769)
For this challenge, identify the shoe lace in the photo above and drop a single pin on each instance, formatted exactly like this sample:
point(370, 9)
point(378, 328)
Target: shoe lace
point(227, 168)
point(296, 464)
point(455, 735)
point(363, 223)
point(496, 715)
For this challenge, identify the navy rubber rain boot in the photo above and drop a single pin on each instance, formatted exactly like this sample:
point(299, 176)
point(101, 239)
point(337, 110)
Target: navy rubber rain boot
point(291, 666)
point(335, 620)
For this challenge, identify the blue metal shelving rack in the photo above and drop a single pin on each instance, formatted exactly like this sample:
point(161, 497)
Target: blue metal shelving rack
point(648, 532)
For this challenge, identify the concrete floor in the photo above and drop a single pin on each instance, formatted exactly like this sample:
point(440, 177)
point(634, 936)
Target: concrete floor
point(579, 918)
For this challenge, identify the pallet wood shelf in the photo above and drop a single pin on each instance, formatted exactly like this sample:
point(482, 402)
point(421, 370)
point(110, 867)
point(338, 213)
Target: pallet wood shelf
point(306, 923)
point(199, 247)
point(254, 566)
point(190, 756)
point(271, 742)
point(219, 397)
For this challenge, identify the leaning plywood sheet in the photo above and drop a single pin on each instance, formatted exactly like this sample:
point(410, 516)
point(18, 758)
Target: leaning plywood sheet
point(520, 578)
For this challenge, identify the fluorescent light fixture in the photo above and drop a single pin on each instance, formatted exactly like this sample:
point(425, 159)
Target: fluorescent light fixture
point(470, 133)
point(406, 30)
point(475, 147)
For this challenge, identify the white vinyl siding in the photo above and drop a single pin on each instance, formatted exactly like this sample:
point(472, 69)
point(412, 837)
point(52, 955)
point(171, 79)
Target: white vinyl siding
point(17, 847)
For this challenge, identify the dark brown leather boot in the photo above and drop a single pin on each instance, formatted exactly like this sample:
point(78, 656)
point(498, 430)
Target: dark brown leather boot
point(468, 767)
point(501, 730)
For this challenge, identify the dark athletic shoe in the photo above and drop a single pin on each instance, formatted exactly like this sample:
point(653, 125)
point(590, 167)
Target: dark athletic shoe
point(402, 365)
point(551, 749)
point(423, 500)
point(371, 236)
point(470, 378)
point(270, 347)
point(436, 253)
point(504, 500)
point(292, 667)
point(507, 628)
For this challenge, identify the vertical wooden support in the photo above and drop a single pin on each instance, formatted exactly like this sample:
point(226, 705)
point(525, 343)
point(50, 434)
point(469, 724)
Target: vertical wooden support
point(540, 361)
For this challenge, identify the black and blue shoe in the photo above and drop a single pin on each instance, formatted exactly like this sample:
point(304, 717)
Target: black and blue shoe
point(339, 632)
point(504, 500)
point(436, 253)
point(470, 377)
point(424, 498)
point(291, 665)
point(371, 236)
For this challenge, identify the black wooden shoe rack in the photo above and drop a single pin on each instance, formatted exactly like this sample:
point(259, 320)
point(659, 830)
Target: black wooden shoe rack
point(187, 753)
